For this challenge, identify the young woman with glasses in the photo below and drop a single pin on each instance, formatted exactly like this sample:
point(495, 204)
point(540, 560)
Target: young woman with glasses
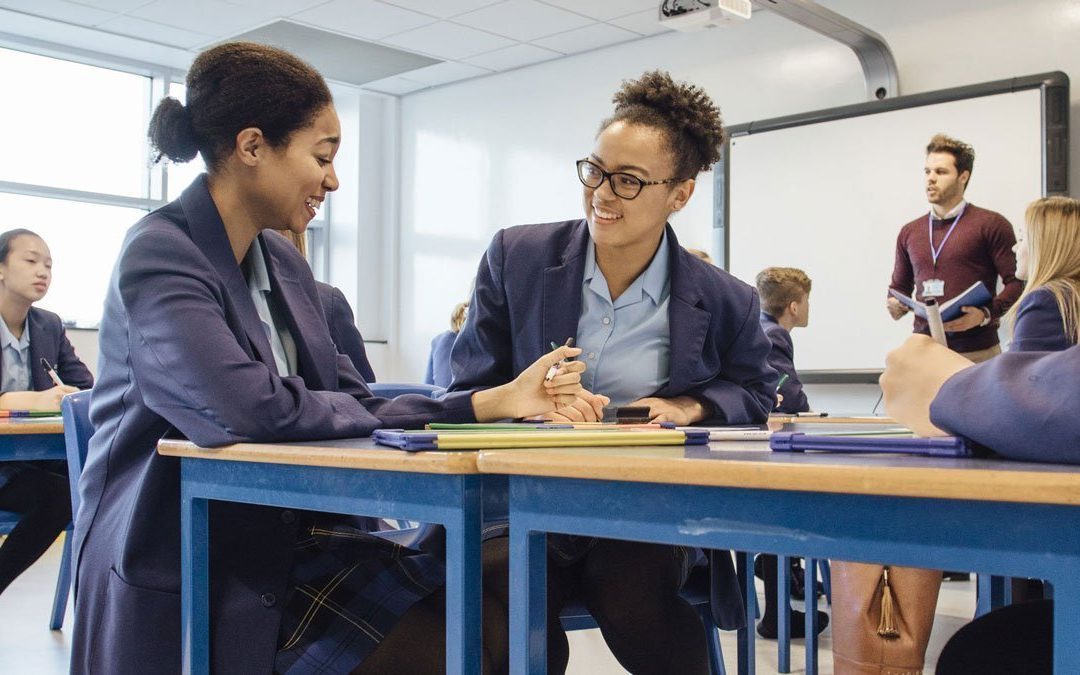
point(658, 327)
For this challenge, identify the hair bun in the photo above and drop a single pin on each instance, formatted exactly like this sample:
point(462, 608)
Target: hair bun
point(172, 133)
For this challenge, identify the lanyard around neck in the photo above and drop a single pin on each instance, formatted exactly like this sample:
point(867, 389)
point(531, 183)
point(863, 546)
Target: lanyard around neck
point(936, 253)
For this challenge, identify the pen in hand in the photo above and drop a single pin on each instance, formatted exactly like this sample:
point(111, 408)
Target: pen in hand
point(783, 379)
point(555, 366)
point(52, 372)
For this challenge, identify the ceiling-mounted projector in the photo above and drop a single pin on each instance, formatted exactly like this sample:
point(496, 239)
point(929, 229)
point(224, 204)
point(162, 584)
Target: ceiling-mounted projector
point(692, 15)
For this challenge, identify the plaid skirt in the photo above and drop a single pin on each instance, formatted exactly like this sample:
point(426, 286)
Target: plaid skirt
point(347, 589)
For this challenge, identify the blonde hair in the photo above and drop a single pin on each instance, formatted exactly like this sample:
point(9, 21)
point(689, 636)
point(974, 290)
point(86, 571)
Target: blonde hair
point(1053, 244)
point(698, 253)
point(457, 317)
point(781, 286)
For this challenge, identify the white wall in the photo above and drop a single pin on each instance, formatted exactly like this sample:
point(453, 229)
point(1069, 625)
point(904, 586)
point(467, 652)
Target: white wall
point(498, 151)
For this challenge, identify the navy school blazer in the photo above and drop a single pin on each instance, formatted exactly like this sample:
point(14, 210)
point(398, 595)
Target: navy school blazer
point(1039, 327)
point(49, 340)
point(183, 352)
point(438, 364)
point(1020, 404)
point(528, 294)
point(343, 330)
point(782, 360)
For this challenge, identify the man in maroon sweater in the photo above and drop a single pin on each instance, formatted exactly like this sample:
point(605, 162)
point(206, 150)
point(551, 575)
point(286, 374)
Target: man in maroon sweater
point(943, 253)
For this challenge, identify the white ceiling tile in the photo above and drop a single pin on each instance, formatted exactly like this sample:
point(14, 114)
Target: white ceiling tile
point(155, 32)
point(277, 7)
point(114, 5)
point(59, 9)
point(212, 17)
point(584, 39)
point(512, 57)
point(448, 41)
point(523, 20)
point(448, 71)
point(642, 23)
point(394, 85)
point(363, 18)
point(605, 9)
point(443, 9)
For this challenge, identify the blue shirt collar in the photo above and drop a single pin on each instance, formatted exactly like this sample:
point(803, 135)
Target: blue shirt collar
point(652, 282)
point(7, 339)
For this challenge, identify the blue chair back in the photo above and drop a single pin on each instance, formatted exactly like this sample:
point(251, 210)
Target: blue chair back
point(75, 409)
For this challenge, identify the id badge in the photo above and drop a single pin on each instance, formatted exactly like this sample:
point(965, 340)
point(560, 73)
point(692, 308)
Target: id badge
point(933, 288)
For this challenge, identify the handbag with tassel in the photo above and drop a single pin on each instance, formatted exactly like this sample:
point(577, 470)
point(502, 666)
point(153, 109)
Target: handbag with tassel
point(882, 617)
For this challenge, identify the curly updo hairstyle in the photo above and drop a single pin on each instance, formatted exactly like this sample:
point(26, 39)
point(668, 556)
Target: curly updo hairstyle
point(683, 112)
point(232, 87)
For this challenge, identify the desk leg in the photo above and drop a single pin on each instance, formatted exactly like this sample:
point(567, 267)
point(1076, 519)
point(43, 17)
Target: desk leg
point(195, 585)
point(1066, 625)
point(528, 601)
point(744, 568)
point(810, 597)
point(783, 618)
point(463, 585)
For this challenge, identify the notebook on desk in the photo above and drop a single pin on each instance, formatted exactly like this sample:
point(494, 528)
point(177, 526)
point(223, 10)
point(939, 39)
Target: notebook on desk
point(901, 443)
point(414, 441)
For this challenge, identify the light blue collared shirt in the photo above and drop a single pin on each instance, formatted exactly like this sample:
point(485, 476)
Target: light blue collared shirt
point(16, 359)
point(626, 344)
point(277, 332)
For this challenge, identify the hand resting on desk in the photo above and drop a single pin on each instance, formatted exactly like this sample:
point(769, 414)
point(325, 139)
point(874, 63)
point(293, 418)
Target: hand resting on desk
point(914, 373)
point(680, 410)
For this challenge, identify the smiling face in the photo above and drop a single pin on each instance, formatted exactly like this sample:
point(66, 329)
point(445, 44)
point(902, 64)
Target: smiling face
point(1021, 249)
point(293, 180)
point(641, 151)
point(27, 271)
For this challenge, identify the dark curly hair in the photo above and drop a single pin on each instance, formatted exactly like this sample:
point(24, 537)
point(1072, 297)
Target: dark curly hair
point(231, 87)
point(683, 112)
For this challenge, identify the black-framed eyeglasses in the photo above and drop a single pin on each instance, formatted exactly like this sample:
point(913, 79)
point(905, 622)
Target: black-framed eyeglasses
point(625, 185)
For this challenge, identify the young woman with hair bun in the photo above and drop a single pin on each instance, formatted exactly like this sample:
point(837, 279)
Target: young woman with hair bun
point(212, 330)
point(658, 328)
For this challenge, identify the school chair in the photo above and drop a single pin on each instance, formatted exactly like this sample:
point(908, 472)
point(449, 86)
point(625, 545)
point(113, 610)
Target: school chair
point(783, 647)
point(8, 521)
point(696, 591)
point(75, 409)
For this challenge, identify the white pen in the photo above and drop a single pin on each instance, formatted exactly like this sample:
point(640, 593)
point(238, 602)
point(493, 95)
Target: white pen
point(933, 319)
point(558, 364)
point(52, 372)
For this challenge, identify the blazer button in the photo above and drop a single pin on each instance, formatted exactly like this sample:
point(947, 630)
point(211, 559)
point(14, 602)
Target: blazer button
point(268, 599)
point(288, 517)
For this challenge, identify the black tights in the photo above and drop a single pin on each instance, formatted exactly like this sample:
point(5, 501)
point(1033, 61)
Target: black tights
point(1013, 640)
point(44, 500)
point(417, 643)
point(632, 590)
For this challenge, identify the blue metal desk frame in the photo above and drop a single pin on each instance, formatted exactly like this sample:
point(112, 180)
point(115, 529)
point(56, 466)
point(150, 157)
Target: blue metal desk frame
point(451, 500)
point(1019, 539)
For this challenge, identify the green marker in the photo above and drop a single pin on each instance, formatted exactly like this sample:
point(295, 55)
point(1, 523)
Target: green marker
point(783, 379)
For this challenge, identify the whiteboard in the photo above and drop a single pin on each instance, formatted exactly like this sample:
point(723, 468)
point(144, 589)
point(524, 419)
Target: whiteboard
point(830, 198)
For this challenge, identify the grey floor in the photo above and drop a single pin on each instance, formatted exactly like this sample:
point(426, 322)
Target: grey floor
point(28, 646)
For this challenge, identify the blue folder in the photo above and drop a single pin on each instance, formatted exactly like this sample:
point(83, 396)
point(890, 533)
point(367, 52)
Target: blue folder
point(798, 441)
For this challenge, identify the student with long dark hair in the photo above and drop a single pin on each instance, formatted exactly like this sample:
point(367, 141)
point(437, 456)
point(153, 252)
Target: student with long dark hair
point(212, 330)
point(37, 490)
point(658, 327)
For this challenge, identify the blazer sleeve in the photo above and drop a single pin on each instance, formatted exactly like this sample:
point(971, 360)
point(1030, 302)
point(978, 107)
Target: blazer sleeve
point(193, 371)
point(1039, 327)
point(69, 366)
point(1020, 404)
point(1000, 242)
point(481, 355)
point(429, 372)
point(745, 390)
point(347, 336)
point(782, 360)
point(903, 274)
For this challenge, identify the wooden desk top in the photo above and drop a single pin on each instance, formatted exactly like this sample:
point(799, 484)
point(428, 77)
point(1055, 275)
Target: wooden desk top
point(753, 465)
point(20, 426)
point(348, 453)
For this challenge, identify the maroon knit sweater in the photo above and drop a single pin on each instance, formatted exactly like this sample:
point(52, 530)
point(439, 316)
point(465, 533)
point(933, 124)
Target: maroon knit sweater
point(980, 249)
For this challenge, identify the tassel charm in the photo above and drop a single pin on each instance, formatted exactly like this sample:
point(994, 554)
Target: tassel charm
point(887, 625)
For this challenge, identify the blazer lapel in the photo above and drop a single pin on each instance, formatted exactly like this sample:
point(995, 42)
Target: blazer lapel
point(562, 290)
point(688, 322)
point(39, 379)
point(304, 318)
point(208, 232)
